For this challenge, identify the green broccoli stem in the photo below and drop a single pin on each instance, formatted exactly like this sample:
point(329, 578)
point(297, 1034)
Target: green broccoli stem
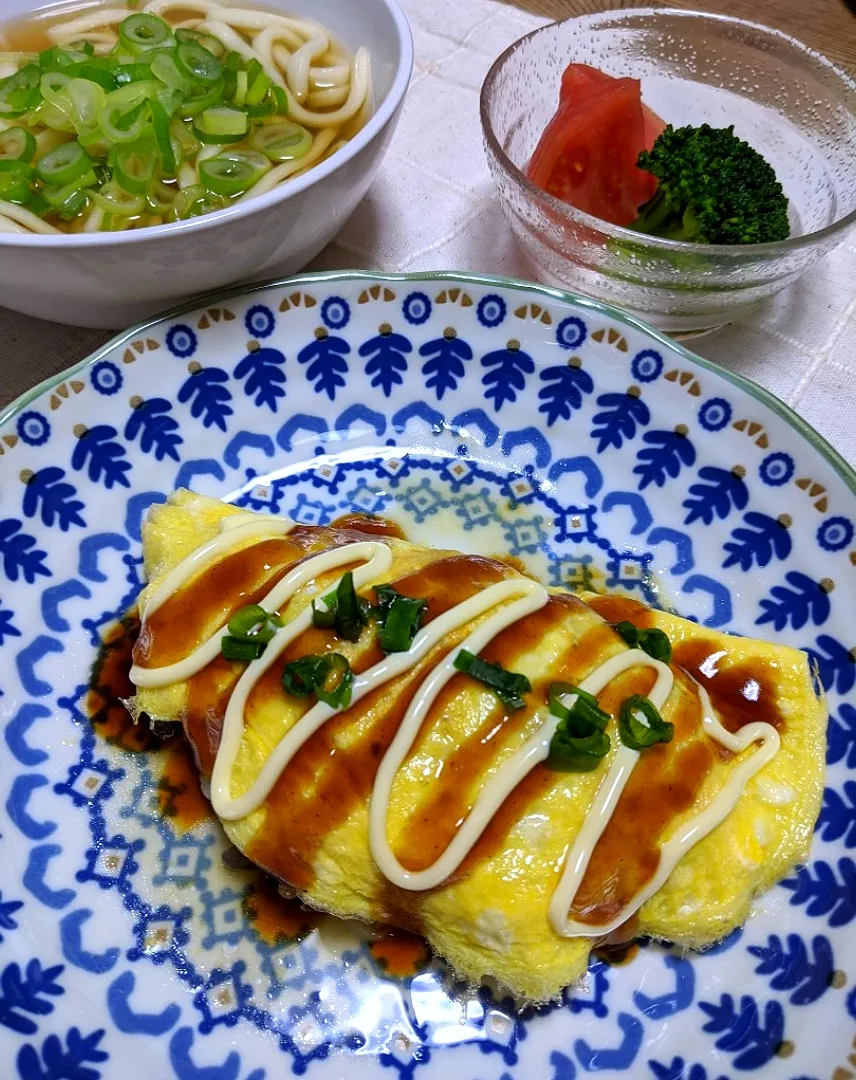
point(660, 217)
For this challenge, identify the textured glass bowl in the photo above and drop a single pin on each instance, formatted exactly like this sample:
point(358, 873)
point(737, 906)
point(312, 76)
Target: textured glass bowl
point(789, 102)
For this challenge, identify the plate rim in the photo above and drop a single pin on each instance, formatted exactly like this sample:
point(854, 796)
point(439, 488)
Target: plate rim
point(839, 463)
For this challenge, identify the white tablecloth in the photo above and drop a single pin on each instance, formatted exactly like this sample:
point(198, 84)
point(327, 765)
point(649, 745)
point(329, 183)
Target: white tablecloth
point(432, 207)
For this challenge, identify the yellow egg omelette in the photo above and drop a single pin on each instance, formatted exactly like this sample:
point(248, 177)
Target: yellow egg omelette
point(434, 740)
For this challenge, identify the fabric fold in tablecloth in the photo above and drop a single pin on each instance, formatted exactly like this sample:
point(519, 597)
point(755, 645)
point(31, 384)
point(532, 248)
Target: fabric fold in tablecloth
point(432, 207)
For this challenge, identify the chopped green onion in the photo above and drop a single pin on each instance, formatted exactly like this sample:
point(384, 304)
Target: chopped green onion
point(55, 59)
point(183, 139)
point(266, 108)
point(143, 32)
point(199, 37)
point(221, 125)
point(351, 612)
point(87, 99)
point(134, 168)
point(125, 115)
point(193, 201)
point(281, 99)
point(281, 142)
point(107, 80)
point(114, 200)
point(323, 617)
point(254, 623)
point(203, 97)
point(17, 144)
point(654, 642)
point(241, 649)
point(165, 68)
point(400, 618)
point(64, 164)
point(509, 686)
point(163, 139)
point(52, 84)
point(241, 84)
point(579, 741)
point(577, 753)
point(15, 177)
point(258, 87)
point(160, 197)
point(198, 64)
point(129, 73)
point(636, 735)
point(233, 171)
point(334, 680)
point(584, 716)
point(21, 91)
point(328, 676)
point(298, 677)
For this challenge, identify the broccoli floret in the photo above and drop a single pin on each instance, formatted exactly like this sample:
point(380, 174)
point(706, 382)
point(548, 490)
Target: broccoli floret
point(713, 189)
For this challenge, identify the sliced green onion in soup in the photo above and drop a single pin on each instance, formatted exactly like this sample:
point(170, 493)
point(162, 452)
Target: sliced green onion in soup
point(182, 136)
point(16, 181)
point(259, 86)
point(143, 32)
point(221, 125)
point(160, 197)
point(201, 98)
point(199, 37)
point(92, 72)
point(198, 64)
point(114, 200)
point(233, 171)
point(134, 168)
point(165, 68)
point(64, 164)
point(241, 85)
point(281, 142)
point(87, 100)
point(194, 201)
point(17, 144)
point(20, 92)
point(124, 115)
point(52, 84)
point(59, 196)
point(128, 73)
point(163, 138)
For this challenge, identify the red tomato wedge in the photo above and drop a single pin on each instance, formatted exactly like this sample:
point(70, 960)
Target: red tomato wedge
point(588, 152)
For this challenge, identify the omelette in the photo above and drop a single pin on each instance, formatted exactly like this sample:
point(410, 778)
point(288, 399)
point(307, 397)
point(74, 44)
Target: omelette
point(437, 741)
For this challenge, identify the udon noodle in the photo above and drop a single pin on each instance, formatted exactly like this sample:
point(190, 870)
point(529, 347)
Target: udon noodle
point(302, 93)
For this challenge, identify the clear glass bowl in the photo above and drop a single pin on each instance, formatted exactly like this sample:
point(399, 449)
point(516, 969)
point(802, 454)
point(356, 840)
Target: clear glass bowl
point(786, 100)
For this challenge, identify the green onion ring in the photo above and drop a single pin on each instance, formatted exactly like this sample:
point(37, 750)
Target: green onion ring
point(636, 735)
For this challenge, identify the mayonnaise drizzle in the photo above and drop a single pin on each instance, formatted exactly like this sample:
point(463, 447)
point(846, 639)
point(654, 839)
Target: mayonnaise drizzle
point(514, 599)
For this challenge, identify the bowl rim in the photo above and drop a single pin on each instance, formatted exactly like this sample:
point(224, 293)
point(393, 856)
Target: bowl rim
point(270, 199)
point(620, 232)
point(789, 415)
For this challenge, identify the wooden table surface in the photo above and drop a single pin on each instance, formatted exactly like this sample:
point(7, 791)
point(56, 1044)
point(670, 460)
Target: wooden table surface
point(826, 25)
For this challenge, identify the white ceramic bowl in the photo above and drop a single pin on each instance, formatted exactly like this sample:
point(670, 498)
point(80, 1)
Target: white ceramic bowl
point(114, 279)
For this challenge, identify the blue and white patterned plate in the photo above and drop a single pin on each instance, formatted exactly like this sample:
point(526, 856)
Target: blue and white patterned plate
point(482, 414)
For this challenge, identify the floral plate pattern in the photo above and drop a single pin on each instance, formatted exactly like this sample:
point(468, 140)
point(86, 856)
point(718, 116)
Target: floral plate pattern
point(481, 414)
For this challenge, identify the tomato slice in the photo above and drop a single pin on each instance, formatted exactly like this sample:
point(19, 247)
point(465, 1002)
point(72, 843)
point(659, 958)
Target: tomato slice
point(588, 152)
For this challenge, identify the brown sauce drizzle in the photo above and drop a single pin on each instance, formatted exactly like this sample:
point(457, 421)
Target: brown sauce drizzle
point(741, 693)
point(400, 953)
point(276, 919)
point(616, 609)
point(110, 683)
point(371, 524)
